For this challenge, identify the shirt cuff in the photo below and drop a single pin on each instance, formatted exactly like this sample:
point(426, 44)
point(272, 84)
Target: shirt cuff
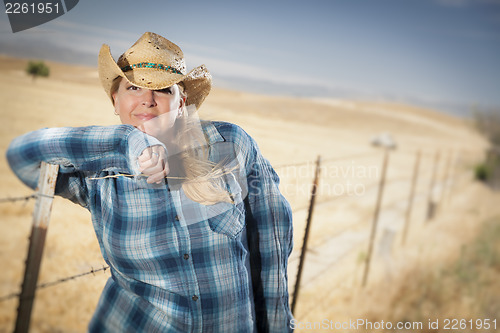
point(137, 141)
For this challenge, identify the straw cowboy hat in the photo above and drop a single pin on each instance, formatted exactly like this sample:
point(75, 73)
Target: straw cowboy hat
point(154, 62)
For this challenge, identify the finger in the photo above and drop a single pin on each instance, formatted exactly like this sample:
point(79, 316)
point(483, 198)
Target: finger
point(149, 163)
point(149, 152)
point(155, 156)
point(153, 160)
point(158, 151)
point(145, 155)
point(160, 166)
point(152, 165)
point(157, 177)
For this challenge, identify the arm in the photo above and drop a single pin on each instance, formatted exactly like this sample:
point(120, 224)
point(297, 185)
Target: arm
point(270, 237)
point(78, 151)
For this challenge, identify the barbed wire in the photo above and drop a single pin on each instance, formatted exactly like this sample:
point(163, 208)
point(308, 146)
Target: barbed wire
point(367, 187)
point(327, 159)
point(389, 205)
point(348, 157)
point(282, 166)
point(56, 282)
point(360, 222)
point(330, 265)
point(26, 198)
point(14, 199)
point(326, 200)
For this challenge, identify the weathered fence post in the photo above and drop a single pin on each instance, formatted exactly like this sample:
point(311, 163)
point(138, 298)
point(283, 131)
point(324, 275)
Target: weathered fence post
point(493, 165)
point(306, 233)
point(454, 171)
point(431, 205)
point(412, 194)
point(446, 177)
point(41, 215)
point(376, 215)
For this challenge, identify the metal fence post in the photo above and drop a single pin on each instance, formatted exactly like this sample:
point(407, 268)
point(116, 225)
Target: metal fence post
point(431, 205)
point(453, 172)
point(412, 194)
point(41, 215)
point(306, 234)
point(445, 180)
point(376, 216)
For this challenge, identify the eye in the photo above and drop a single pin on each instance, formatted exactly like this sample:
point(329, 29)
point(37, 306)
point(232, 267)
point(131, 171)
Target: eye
point(131, 87)
point(166, 91)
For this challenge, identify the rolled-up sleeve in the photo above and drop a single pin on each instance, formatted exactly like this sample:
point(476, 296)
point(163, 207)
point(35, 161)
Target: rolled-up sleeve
point(78, 151)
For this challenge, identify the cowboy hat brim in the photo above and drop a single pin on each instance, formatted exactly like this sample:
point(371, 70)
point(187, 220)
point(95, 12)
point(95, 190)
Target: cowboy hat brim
point(197, 83)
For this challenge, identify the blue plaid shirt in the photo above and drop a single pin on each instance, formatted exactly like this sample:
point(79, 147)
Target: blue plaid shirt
point(176, 265)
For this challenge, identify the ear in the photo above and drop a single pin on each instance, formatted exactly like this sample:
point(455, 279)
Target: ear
point(182, 108)
point(182, 102)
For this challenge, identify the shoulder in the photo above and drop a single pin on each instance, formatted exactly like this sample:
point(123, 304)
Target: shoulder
point(228, 138)
point(227, 132)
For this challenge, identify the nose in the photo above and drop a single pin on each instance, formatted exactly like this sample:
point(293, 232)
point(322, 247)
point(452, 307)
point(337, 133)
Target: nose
point(148, 98)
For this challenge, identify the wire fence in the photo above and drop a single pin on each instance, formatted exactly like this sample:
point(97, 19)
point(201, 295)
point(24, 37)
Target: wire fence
point(320, 184)
point(329, 265)
point(430, 185)
point(15, 199)
point(56, 282)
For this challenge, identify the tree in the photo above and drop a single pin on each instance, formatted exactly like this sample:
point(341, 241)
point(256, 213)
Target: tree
point(37, 69)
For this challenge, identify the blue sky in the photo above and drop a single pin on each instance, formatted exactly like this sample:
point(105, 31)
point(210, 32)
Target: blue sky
point(441, 53)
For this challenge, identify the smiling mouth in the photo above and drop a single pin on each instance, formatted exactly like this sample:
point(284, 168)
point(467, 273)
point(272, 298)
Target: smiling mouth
point(145, 116)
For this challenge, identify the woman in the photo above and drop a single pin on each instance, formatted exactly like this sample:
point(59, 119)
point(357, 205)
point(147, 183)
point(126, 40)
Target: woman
point(187, 213)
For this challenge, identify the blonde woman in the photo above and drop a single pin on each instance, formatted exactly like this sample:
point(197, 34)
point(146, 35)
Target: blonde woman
point(187, 213)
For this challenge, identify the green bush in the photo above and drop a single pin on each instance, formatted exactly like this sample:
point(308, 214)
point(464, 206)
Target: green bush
point(482, 172)
point(38, 68)
point(488, 124)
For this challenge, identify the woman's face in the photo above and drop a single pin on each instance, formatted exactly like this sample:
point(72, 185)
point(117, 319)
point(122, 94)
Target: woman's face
point(152, 111)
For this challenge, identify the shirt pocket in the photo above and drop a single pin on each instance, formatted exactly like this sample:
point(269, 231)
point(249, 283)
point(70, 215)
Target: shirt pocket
point(228, 218)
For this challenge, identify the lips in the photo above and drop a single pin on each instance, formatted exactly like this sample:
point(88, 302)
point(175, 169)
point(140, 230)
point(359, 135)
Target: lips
point(145, 116)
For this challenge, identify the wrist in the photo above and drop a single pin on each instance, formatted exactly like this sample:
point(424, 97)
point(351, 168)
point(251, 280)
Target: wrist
point(137, 141)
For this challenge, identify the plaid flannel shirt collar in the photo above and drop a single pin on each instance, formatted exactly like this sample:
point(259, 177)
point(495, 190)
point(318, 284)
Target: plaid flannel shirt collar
point(212, 134)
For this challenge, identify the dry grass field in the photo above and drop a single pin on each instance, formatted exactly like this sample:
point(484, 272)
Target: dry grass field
point(405, 281)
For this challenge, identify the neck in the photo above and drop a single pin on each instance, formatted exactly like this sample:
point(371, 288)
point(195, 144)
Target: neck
point(167, 138)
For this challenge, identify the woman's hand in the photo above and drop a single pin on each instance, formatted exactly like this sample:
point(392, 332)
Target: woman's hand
point(153, 163)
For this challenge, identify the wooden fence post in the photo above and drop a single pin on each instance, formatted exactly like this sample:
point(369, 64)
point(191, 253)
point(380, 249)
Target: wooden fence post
point(41, 215)
point(306, 234)
point(493, 165)
point(454, 171)
point(412, 194)
point(431, 205)
point(446, 179)
point(376, 215)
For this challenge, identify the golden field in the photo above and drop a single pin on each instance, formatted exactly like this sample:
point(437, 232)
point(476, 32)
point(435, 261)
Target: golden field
point(291, 133)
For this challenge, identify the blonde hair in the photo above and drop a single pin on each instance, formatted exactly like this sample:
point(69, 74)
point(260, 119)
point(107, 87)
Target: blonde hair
point(204, 179)
point(114, 87)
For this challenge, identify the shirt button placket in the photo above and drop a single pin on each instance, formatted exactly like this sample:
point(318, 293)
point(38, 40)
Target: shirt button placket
point(189, 272)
